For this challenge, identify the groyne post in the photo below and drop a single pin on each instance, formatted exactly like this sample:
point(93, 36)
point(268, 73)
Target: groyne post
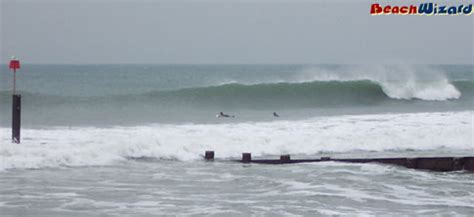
point(325, 158)
point(246, 157)
point(209, 155)
point(16, 118)
point(285, 158)
point(16, 103)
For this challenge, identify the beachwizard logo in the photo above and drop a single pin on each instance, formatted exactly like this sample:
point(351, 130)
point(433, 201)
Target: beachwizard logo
point(422, 9)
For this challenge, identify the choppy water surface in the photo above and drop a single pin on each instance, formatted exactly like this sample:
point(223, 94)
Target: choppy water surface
point(143, 188)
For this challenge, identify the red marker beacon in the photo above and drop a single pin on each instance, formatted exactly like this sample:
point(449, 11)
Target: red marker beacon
point(14, 65)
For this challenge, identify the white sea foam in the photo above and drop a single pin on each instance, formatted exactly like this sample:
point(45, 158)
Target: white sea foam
point(55, 147)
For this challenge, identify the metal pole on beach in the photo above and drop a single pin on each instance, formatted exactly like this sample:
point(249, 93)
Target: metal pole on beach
point(16, 104)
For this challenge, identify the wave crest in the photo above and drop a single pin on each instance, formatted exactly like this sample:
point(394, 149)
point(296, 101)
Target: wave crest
point(397, 81)
point(439, 90)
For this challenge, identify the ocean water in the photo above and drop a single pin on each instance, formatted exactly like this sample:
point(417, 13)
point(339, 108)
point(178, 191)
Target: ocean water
point(127, 140)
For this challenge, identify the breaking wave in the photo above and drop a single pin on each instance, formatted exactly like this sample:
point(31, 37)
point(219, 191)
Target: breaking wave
point(306, 94)
point(88, 146)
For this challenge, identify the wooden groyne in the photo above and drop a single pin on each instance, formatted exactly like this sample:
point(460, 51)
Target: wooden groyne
point(443, 164)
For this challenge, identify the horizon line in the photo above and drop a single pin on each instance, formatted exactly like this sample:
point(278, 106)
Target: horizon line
point(36, 63)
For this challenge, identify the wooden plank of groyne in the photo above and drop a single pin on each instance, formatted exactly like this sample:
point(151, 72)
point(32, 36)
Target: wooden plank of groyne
point(352, 160)
point(426, 163)
point(394, 161)
point(267, 161)
point(469, 163)
point(435, 163)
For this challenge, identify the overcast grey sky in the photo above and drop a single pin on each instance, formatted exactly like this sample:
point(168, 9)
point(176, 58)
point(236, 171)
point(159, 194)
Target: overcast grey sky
point(108, 31)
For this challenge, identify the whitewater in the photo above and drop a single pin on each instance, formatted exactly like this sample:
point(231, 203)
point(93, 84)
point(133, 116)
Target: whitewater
point(124, 140)
point(78, 146)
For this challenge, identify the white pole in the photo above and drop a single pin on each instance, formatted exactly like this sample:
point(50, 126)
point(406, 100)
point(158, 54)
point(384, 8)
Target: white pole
point(14, 81)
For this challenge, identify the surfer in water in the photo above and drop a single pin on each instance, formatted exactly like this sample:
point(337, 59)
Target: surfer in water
point(222, 115)
point(275, 115)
